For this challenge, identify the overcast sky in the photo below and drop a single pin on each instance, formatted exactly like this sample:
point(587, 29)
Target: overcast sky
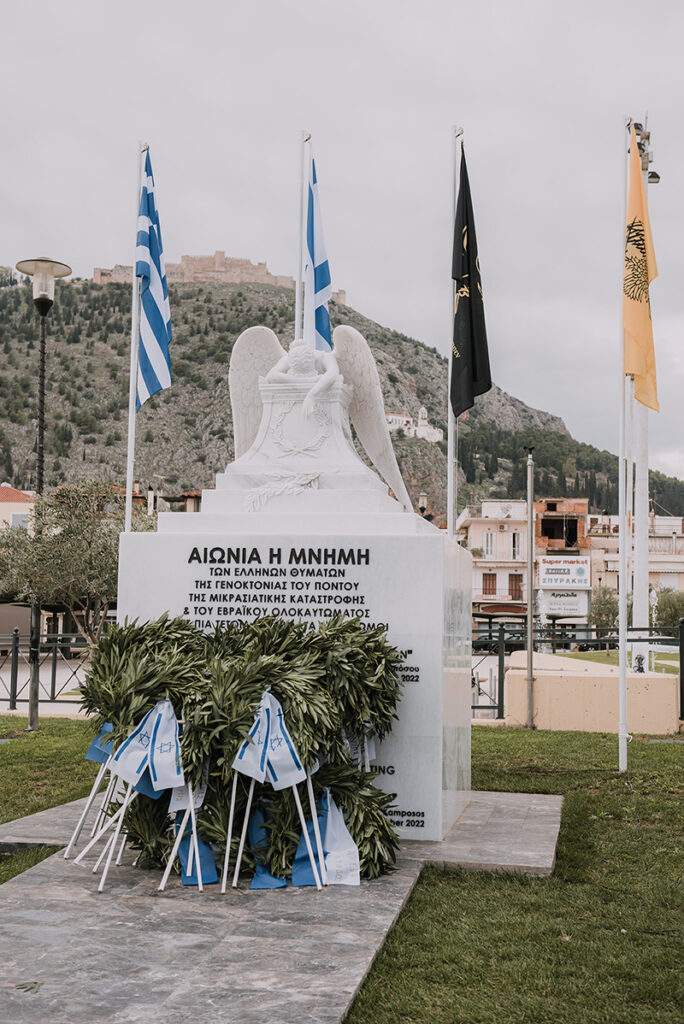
point(222, 90)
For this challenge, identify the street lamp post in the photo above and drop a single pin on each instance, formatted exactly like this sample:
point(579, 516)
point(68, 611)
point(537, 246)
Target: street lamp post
point(43, 271)
point(530, 586)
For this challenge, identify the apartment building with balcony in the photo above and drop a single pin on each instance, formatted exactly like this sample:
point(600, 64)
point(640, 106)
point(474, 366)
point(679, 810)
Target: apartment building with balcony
point(495, 534)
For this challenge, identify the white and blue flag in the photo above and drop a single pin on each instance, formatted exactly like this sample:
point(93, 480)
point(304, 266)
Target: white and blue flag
point(317, 281)
point(283, 766)
point(268, 754)
point(154, 361)
point(152, 747)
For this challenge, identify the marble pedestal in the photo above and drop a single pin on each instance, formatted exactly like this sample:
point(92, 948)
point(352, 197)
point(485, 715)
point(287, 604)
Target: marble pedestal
point(392, 568)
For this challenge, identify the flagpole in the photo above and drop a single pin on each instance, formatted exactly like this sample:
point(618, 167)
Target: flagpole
point(622, 517)
point(451, 422)
point(640, 603)
point(305, 137)
point(132, 384)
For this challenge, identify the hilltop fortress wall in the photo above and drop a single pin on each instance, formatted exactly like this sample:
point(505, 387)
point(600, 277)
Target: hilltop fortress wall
point(219, 267)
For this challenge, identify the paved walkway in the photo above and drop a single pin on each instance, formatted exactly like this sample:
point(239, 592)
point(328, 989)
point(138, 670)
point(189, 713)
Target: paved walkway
point(288, 956)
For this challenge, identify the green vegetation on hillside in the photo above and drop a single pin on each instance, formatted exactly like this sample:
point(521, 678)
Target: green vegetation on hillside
point(184, 435)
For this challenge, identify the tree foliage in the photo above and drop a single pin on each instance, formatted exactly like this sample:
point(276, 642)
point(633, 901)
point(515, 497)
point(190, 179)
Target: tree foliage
point(669, 609)
point(334, 683)
point(604, 608)
point(69, 554)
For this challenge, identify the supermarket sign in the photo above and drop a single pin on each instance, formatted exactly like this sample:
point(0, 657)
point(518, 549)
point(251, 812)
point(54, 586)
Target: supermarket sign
point(560, 572)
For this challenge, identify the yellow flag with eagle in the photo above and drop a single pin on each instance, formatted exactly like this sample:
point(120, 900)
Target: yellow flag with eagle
point(640, 270)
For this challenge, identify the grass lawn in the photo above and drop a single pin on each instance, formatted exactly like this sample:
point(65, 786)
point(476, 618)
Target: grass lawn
point(599, 941)
point(38, 770)
point(43, 768)
point(668, 663)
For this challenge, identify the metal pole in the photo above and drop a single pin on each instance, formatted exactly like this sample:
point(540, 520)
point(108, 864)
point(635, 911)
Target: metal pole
point(14, 668)
point(41, 408)
point(300, 244)
point(452, 468)
point(640, 455)
point(530, 588)
point(502, 654)
point(133, 378)
point(34, 643)
point(622, 520)
point(681, 668)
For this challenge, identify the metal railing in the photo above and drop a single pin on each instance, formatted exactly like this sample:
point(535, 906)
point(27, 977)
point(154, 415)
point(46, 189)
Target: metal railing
point(503, 639)
point(63, 661)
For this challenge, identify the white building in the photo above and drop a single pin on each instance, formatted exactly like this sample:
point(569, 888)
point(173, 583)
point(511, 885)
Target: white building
point(495, 535)
point(421, 428)
point(15, 506)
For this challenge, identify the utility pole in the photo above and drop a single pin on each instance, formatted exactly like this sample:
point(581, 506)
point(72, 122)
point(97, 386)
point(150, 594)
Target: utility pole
point(530, 587)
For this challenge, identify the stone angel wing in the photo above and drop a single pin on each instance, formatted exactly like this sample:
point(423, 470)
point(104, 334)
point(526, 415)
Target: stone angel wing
point(367, 409)
point(254, 353)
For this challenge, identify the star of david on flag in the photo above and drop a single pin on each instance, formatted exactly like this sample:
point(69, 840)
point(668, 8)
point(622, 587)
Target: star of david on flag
point(153, 745)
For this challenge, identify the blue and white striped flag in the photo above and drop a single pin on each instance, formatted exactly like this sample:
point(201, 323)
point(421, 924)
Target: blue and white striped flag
point(154, 361)
point(317, 282)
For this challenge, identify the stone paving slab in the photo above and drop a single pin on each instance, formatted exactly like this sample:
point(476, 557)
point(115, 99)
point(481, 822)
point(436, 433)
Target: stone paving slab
point(131, 955)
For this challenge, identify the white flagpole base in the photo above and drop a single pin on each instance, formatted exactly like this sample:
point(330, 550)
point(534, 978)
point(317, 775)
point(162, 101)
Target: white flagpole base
point(305, 830)
point(243, 834)
point(226, 859)
point(103, 854)
point(194, 840)
point(174, 851)
point(128, 800)
point(96, 838)
point(121, 851)
point(86, 810)
point(106, 800)
point(317, 831)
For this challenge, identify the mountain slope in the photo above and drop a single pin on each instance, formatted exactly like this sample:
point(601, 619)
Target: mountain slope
point(184, 435)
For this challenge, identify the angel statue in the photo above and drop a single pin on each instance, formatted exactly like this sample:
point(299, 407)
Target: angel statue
point(291, 415)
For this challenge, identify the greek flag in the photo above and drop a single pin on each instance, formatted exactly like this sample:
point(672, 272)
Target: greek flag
point(154, 362)
point(317, 286)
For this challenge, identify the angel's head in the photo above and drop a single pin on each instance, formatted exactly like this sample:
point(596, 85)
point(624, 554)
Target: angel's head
point(301, 359)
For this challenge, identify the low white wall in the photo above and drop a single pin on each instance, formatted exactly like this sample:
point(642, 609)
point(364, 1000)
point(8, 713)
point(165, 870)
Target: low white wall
point(587, 701)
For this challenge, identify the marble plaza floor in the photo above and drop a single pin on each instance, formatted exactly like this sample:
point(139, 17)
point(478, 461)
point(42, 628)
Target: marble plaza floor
point(287, 956)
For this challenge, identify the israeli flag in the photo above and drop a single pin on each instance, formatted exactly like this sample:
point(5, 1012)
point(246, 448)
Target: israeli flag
point(101, 748)
point(283, 766)
point(154, 361)
point(250, 759)
point(152, 745)
point(317, 281)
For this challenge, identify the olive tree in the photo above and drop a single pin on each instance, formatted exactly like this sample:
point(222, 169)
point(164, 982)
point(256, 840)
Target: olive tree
point(69, 554)
point(604, 608)
point(670, 608)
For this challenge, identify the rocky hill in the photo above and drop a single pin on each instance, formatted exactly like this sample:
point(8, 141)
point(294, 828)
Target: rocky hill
point(184, 435)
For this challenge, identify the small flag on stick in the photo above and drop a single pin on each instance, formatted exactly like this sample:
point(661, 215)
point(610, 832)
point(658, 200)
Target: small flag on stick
point(154, 361)
point(640, 270)
point(317, 280)
point(470, 373)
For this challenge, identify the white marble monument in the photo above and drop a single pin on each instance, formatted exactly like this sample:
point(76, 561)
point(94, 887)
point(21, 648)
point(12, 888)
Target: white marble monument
point(300, 526)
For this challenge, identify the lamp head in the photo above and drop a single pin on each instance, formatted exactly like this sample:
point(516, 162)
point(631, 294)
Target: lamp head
point(43, 271)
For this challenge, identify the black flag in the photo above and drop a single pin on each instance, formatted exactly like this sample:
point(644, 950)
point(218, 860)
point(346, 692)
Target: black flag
point(470, 373)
